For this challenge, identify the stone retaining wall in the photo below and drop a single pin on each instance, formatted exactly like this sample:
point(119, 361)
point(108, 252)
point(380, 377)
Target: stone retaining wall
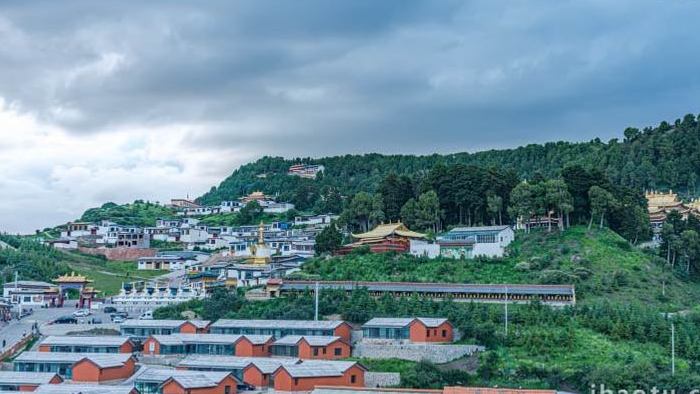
point(438, 354)
point(382, 379)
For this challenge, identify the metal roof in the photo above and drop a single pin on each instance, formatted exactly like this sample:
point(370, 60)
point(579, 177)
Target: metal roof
point(107, 340)
point(478, 229)
point(102, 360)
point(313, 340)
point(264, 364)
point(152, 323)
point(71, 388)
point(15, 377)
point(403, 321)
point(180, 339)
point(187, 379)
point(155, 323)
point(435, 287)
point(369, 390)
point(282, 324)
point(314, 368)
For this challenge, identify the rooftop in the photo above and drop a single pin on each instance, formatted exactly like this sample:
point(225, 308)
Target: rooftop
point(479, 229)
point(403, 321)
point(385, 230)
point(308, 324)
point(187, 379)
point(265, 364)
point(313, 340)
point(163, 323)
point(180, 339)
point(14, 377)
point(434, 287)
point(102, 360)
point(70, 388)
point(107, 340)
point(313, 368)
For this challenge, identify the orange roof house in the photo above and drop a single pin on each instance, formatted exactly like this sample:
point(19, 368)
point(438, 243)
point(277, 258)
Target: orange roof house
point(309, 374)
point(312, 347)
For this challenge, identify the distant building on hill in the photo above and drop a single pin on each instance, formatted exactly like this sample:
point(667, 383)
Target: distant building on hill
point(660, 204)
point(305, 170)
point(385, 238)
point(470, 242)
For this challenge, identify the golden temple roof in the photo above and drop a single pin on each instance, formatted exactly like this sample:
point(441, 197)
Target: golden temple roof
point(72, 278)
point(386, 230)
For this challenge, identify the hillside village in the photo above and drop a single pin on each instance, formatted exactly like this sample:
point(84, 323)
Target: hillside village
point(364, 292)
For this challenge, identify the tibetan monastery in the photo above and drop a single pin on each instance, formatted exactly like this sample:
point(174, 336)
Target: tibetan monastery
point(661, 204)
point(384, 238)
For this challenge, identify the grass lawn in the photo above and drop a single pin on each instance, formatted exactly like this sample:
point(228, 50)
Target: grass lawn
point(108, 276)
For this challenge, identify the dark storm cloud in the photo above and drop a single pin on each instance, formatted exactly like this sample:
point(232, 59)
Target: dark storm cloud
point(192, 89)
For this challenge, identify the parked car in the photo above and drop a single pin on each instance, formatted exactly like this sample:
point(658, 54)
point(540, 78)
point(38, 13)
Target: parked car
point(109, 309)
point(244, 387)
point(66, 320)
point(118, 319)
point(81, 313)
point(146, 316)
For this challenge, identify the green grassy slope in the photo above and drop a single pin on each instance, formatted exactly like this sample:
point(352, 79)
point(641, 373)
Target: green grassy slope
point(600, 263)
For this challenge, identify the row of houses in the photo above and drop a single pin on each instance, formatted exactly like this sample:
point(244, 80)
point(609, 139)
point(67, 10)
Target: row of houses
point(285, 332)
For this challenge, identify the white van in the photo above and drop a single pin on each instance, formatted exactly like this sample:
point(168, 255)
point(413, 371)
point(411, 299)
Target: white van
point(146, 315)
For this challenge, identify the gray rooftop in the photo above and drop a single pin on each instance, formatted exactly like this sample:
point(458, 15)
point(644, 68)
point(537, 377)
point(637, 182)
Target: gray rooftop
point(187, 379)
point(313, 340)
point(312, 368)
point(368, 390)
point(32, 283)
point(152, 323)
point(71, 388)
point(264, 364)
point(301, 324)
point(442, 288)
point(13, 377)
point(67, 340)
point(403, 321)
point(180, 339)
point(137, 323)
point(103, 360)
point(478, 229)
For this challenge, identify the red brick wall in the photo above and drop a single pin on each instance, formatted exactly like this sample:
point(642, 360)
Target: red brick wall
point(284, 382)
point(173, 387)
point(418, 332)
point(306, 351)
point(127, 347)
point(344, 331)
point(253, 376)
point(87, 371)
point(147, 346)
point(244, 348)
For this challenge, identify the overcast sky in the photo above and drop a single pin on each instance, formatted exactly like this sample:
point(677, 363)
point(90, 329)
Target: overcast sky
point(114, 101)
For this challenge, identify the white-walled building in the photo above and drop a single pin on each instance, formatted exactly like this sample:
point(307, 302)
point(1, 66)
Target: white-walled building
point(469, 242)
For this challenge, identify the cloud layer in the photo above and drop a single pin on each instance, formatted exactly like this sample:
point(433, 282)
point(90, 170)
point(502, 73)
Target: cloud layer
point(116, 101)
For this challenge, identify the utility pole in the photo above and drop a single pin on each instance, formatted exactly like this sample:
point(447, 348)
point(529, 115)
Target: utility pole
point(506, 310)
point(673, 349)
point(316, 302)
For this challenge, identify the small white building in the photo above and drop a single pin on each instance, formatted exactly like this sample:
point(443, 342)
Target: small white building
point(469, 242)
point(314, 220)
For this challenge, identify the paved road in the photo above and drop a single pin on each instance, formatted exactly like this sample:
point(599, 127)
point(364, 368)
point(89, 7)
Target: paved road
point(13, 331)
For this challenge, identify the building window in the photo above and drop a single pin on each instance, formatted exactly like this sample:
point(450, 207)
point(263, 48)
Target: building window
point(353, 379)
point(315, 351)
point(296, 381)
point(444, 333)
point(227, 389)
point(428, 334)
point(337, 351)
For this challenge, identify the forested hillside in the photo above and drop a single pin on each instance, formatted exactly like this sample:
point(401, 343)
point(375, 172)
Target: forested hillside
point(662, 157)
